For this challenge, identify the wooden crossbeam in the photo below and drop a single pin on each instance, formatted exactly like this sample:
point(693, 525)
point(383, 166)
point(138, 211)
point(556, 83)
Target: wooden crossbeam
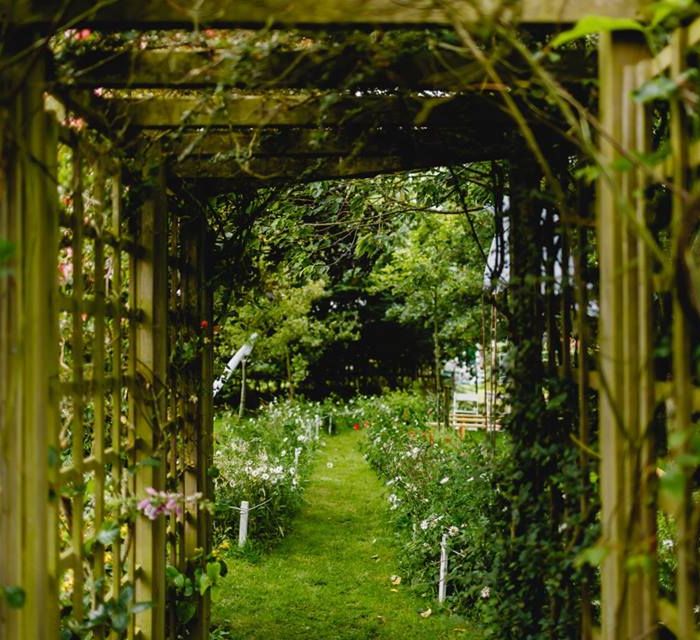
point(316, 143)
point(303, 110)
point(223, 176)
point(315, 67)
point(127, 14)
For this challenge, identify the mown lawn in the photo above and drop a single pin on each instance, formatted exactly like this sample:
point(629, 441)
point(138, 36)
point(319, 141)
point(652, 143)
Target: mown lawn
point(330, 578)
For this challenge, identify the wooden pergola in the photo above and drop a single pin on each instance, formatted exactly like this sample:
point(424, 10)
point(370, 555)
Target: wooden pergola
point(192, 117)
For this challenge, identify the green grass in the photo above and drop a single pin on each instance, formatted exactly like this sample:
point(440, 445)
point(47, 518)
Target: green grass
point(329, 579)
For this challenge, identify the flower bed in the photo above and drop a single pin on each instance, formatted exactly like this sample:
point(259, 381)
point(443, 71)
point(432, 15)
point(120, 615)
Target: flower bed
point(437, 484)
point(263, 460)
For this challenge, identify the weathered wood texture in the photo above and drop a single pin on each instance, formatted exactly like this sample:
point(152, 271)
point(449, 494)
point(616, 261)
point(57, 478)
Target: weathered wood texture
point(303, 110)
point(28, 364)
point(318, 66)
point(312, 13)
point(304, 170)
point(621, 434)
point(350, 142)
point(190, 388)
point(629, 394)
point(149, 291)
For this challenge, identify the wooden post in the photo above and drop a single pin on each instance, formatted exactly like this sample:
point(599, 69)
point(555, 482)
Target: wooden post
point(681, 422)
point(29, 363)
point(206, 406)
point(620, 431)
point(149, 293)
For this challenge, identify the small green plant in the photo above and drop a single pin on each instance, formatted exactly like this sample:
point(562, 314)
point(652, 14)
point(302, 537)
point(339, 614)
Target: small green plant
point(186, 588)
point(112, 615)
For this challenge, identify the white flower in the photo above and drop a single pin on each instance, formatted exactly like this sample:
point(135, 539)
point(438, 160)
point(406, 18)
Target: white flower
point(329, 465)
point(424, 524)
point(486, 592)
point(445, 480)
point(453, 531)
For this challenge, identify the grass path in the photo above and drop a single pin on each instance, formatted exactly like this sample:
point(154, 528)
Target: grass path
point(330, 578)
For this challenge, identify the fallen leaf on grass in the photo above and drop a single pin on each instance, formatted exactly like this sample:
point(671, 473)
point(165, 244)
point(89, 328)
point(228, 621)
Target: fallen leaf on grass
point(395, 580)
point(394, 590)
point(426, 614)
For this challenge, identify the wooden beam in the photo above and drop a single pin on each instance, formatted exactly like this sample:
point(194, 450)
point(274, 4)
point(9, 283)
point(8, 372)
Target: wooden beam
point(316, 143)
point(318, 66)
point(302, 110)
point(155, 14)
point(309, 170)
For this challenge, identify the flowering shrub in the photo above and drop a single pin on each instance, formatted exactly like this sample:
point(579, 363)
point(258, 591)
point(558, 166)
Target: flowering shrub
point(263, 461)
point(437, 484)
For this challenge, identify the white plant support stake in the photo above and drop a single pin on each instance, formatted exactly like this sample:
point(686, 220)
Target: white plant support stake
point(317, 425)
point(243, 528)
point(297, 452)
point(330, 424)
point(442, 584)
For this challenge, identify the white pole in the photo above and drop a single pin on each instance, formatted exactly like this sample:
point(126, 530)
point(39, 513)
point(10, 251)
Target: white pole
point(297, 452)
point(318, 422)
point(442, 584)
point(243, 528)
point(330, 424)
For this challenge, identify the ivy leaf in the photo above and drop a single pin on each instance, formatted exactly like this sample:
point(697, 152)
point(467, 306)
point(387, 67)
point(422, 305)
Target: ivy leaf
point(139, 607)
point(659, 88)
point(204, 584)
point(213, 571)
point(590, 25)
point(667, 8)
point(15, 597)
point(108, 533)
point(7, 250)
point(119, 620)
point(592, 556)
point(185, 611)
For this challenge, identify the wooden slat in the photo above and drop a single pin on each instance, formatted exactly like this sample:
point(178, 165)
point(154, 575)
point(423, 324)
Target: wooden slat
point(88, 306)
point(98, 374)
point(156, 14)
point(117, 368)
point(681, 423)
point(122, 242)
point(662, 61)
point(77, 426)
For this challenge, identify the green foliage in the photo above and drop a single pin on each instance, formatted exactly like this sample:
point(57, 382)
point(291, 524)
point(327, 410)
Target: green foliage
point(112, 615)
point(331, 578)
point(7, 250)
point(592, 25)
point(185, 589)
point(438, 484)
point(263, 460)
point(15, 596)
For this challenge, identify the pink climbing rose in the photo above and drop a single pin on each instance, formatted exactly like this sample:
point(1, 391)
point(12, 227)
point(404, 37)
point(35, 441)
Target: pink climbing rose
point(164, 503)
